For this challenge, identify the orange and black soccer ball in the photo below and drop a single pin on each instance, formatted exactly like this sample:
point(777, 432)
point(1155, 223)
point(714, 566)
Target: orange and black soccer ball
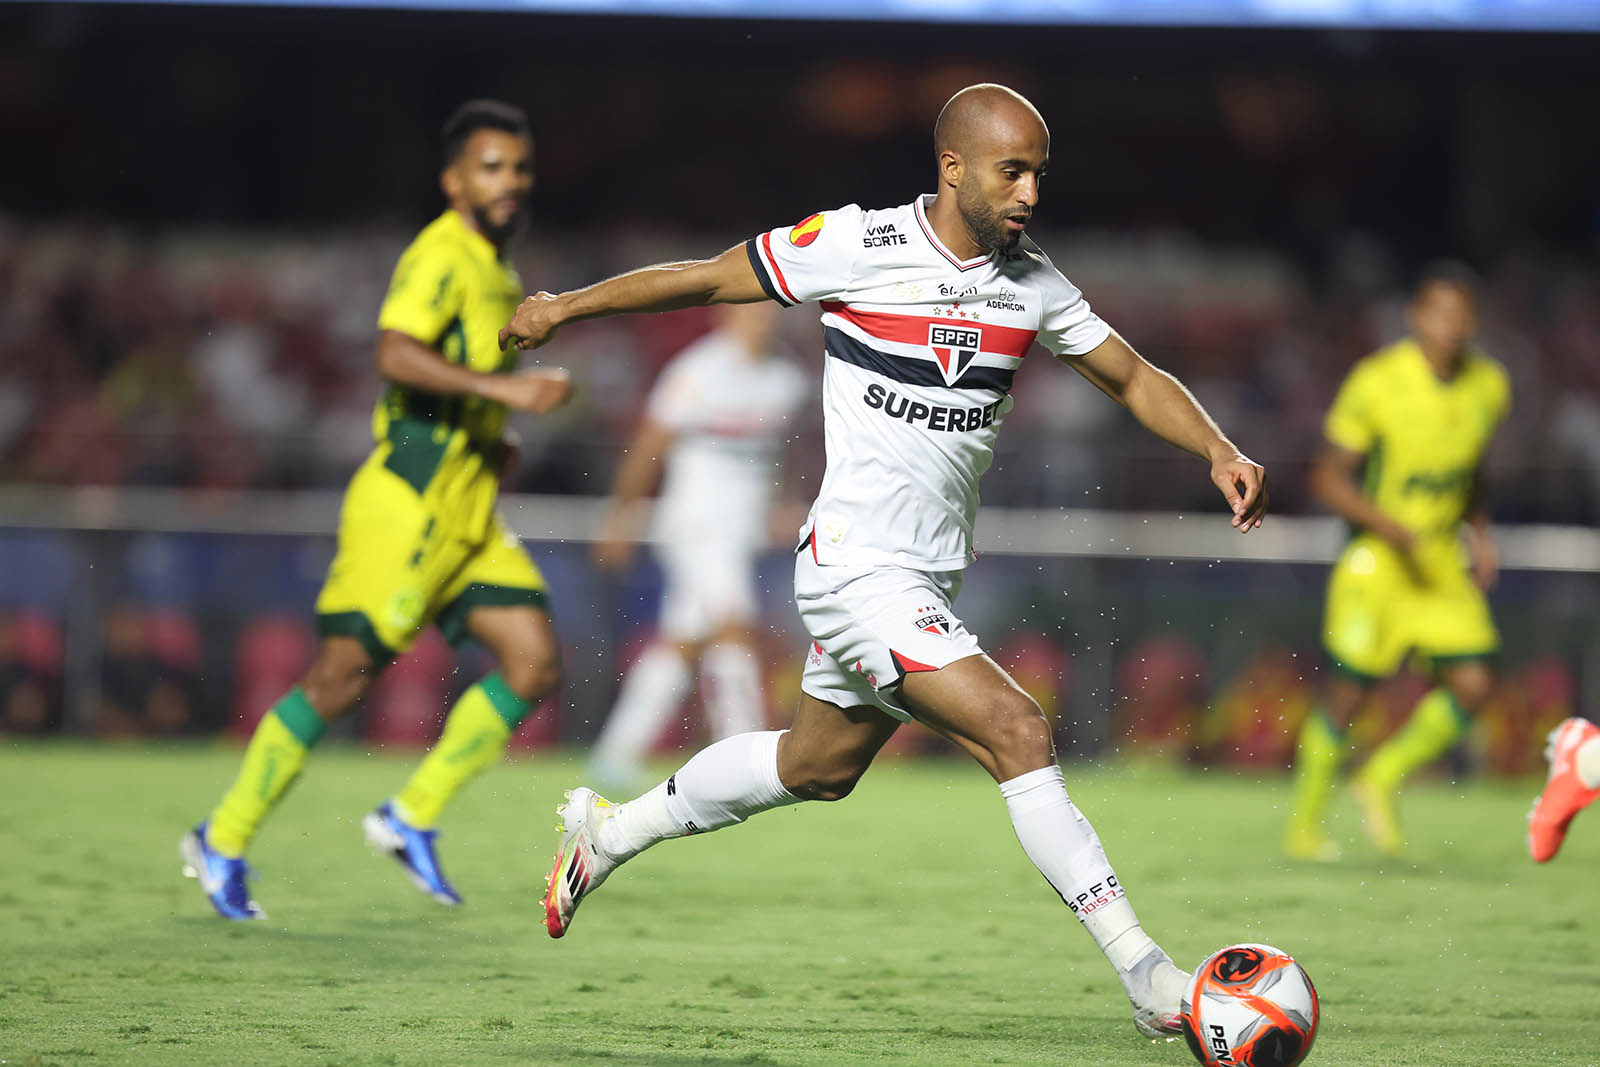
point(1250, 1006)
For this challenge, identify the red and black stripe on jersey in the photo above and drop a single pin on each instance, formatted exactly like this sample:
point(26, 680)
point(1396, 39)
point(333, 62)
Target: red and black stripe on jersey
point(772, 281)
point(841, 345)
point(1007, 342)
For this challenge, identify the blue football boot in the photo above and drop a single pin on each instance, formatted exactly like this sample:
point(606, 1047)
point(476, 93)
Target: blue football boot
point(222, 878)
point(413, 848)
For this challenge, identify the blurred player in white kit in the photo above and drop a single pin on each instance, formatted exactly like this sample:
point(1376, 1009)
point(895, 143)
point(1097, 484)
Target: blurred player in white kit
point(717, 419)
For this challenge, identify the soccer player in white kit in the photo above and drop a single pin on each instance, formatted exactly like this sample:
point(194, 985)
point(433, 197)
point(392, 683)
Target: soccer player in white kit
point(718, 416)
point(928, 311)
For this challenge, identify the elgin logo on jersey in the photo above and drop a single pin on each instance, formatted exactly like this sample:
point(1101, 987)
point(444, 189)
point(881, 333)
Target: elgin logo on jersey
point(954, 347)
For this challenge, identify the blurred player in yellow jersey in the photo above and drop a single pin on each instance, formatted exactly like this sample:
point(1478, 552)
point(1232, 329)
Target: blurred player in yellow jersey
point(1419, 414)
point(419, 538)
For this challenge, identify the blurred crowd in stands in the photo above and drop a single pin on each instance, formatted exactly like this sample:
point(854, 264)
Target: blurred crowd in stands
point(206, 359)
point(190, 274)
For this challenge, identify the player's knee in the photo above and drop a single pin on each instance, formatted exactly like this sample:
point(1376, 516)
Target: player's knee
point(1344, 700)
point(1020, 736)
point(1470, 685)
point(531, 673)
point(338, 678)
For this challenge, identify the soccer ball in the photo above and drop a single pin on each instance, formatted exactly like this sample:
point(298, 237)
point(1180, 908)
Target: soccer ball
point(1249, 1006)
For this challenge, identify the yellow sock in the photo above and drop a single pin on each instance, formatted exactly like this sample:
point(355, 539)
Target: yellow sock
point(1437, 723)
point(1318, 755)
point(272, 762)
point(475, 733)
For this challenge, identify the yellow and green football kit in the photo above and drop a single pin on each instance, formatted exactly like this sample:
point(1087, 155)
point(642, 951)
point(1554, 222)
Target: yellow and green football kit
point(1423, 439)
point(419, 538)
point(419, 541)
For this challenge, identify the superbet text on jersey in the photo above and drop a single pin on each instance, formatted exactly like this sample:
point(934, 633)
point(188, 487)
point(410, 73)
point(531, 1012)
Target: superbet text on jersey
point(921, 349)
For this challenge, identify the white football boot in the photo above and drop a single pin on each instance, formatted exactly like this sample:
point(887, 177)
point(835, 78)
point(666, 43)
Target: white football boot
point(581, 864)
point(1155, 985)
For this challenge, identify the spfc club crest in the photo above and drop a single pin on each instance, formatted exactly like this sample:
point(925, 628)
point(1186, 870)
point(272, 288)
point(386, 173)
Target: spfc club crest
point(954, 347)
point(933, 621)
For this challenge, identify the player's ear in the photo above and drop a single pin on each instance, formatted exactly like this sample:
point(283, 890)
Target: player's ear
point(951, 167)
point(450, 183)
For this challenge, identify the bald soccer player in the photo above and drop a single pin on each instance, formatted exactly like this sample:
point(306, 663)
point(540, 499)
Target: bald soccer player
point(927, 312)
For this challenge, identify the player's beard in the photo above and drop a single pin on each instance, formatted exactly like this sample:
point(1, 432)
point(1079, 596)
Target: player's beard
point(986, 223)
point(499, 234)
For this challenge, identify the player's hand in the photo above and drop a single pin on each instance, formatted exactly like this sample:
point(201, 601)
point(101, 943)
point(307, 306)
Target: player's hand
point(1398, 535)
point(613, 555)
point(539, 389)
point(1244, 486)
point(614, 546)
point(1485, 556)
point(533, 323)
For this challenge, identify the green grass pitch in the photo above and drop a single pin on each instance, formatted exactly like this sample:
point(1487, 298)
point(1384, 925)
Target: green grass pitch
point(902, 926)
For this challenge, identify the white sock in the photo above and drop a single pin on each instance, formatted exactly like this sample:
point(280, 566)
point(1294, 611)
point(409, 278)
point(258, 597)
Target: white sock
point(1586, 762)
point(1065, 848)
point(722, 784)
point(653, 689)
point(732, 689)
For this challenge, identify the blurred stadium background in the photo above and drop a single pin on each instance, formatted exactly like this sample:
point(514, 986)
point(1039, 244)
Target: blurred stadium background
point(201, 207)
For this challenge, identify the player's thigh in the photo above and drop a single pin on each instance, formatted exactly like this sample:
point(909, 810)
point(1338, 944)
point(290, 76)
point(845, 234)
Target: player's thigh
point(981, 708)
point(392, 559)
point(828, 747)
point(872, 627)
point(1363, 627)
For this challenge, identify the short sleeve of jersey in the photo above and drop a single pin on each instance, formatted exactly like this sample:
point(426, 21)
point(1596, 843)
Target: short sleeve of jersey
point(1068, 326)
point(1352, 423)
point(812, 260)
point(425, 294)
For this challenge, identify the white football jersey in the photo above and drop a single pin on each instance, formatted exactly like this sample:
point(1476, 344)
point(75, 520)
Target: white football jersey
point(729, 415)
point(921, 349)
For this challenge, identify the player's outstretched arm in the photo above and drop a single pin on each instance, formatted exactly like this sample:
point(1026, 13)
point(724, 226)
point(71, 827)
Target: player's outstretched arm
point(407, 361)
point(1168, 409)
point(727, 279)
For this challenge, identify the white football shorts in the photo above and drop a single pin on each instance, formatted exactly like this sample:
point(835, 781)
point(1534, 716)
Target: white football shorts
point(706, 586)
point(871, 626)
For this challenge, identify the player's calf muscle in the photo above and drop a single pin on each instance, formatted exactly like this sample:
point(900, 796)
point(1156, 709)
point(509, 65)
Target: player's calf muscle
point(823, 783)
point(827, 750)
point(825, 771)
